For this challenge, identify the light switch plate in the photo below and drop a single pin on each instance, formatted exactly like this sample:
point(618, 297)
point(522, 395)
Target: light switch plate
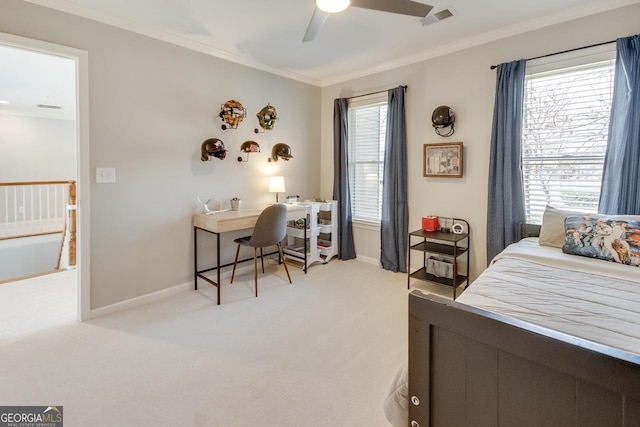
point(105, 175)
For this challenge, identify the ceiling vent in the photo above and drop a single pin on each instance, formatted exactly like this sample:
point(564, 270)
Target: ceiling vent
point(436, 17)
point(51, 107)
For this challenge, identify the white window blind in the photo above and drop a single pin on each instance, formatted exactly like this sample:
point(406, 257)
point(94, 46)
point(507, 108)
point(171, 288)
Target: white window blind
point(565, 128)
point(367, 128)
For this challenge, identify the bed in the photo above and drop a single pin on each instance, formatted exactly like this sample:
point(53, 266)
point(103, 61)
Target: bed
point(541, 338)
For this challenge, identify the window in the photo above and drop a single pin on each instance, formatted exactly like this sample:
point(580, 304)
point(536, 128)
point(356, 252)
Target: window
point(565, 128)
point(367, 129)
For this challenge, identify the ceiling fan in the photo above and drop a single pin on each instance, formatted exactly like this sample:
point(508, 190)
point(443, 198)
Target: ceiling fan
point(326, 7)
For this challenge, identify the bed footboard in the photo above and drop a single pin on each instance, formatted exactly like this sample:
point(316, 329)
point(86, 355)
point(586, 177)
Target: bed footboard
point(469, 367)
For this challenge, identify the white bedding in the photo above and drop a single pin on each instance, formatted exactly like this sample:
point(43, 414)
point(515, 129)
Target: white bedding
point(584, 297)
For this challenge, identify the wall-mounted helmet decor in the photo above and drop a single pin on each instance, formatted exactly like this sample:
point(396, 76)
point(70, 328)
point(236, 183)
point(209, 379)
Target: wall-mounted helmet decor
point(267, 118)
point(282, 151)
point(232, 113)
point(212, 147)
point(248, 147)
point(443, 117)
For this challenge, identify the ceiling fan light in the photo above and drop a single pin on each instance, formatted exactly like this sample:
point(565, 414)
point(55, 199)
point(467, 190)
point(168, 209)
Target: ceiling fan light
point(332, 6)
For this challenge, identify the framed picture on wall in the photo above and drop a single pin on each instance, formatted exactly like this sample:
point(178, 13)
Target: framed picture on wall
point(443, 160)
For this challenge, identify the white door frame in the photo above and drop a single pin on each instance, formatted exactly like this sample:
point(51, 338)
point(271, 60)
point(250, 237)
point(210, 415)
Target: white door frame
point(81, 59)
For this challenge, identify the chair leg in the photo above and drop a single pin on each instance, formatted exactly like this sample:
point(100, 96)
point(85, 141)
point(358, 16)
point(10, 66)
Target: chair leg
point(255, 269)
point(284, 262)
point(262, 260)
point(235, 262)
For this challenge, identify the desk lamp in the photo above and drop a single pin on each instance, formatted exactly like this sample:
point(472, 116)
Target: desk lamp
point(276, 185)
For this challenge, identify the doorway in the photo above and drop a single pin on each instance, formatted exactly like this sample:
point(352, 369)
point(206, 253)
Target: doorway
point(44, 107)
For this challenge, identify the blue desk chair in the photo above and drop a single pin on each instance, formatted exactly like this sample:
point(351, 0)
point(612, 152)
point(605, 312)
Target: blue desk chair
point(270, 230)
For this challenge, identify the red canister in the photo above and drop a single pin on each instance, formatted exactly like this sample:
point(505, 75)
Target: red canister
point(430, 223)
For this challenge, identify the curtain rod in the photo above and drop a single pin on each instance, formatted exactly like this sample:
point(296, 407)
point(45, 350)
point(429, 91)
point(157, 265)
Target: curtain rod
point(373, 93)
point(493, 67)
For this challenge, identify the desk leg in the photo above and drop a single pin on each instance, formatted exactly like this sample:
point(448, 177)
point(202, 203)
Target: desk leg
point(218, 265)
point(200, 274)
point(195, 258)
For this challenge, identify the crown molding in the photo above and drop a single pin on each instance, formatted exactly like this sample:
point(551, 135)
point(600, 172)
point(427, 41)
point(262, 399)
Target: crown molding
point(512, 30)
point(74, 9)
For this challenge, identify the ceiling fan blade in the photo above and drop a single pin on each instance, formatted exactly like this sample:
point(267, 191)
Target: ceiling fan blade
point(402, 7)
point(317, 21)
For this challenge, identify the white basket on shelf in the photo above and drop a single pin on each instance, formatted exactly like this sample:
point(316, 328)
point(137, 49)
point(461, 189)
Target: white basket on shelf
point(440, 267)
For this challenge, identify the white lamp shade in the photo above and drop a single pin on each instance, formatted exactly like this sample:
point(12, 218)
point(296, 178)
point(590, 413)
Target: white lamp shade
point(333, 6)
point(276, 184)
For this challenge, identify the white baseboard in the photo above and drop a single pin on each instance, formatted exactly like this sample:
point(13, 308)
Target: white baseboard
point(156, 296)
point(368, 260)
point(138, 301)
point(169, 292)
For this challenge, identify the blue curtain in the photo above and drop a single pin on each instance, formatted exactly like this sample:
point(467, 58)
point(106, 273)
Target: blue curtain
point(620, 192)
point(505, 208)
point(394, 224)
point(346, 247)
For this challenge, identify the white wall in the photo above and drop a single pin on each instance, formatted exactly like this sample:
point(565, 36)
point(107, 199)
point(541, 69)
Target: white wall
point(28, 256)
point(33, 149)
point(46, 145)
point(463, 81)
point(151, 106)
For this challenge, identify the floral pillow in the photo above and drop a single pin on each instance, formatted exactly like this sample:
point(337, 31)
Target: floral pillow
point(609, 238)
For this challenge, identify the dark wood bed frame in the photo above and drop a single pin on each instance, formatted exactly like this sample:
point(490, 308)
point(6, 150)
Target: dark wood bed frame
point(471, 367)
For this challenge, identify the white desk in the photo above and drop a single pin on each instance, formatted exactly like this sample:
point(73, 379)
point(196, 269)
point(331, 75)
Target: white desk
point(223, 222)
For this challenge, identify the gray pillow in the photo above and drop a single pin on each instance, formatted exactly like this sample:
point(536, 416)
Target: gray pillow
point(552, 231)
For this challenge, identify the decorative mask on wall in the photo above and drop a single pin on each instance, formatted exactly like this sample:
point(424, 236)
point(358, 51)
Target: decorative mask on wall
point(282, 151)
point(267, 118)
point(212, 147)
point(232, 113)
point(443, 117)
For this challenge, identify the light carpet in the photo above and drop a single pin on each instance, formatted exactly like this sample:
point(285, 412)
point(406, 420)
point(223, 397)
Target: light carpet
point(320, 352)
point(36, 304)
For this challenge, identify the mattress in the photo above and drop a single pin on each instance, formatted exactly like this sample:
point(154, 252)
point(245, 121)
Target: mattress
point(588, 298)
